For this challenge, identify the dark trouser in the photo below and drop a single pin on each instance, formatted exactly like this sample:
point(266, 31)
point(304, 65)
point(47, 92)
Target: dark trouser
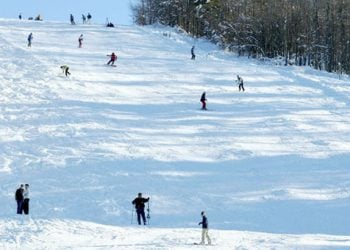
point(66, 72)
point(204, 105)
point(193, 56)
point(26, 206)
point(240, 87)
point(141, 212)
point(111, 61)
point(19, 206)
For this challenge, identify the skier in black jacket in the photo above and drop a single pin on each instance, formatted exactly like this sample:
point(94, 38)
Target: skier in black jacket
point(203, 101)
point(204, 224)
point(19, 198)
point(139, 203)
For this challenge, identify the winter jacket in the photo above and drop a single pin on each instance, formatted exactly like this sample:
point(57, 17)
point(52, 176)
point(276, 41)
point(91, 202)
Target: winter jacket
point(26, 193)
point(19, 194)
point(140, 202)
point(113, 57)
point(204, 222)
point(203, 99)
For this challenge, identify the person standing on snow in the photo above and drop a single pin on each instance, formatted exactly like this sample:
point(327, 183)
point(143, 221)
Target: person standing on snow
point(205, 227)
point(26, 199)
point(112, 60)
point(72, 19)
point(80, 40)
point(139, 203)
point(19, 199)
point(30, 38)
point(84, 18)
point(203, 101)
point(89, 17)
point(240, 83)
point(192, 53)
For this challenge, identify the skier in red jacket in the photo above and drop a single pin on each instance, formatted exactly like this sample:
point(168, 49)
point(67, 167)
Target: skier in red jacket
point(112, 60)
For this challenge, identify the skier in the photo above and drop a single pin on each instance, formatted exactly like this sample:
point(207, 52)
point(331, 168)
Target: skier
point(65, 70)
point(113, 59)
point(139, 203)
point(72, 19)
point(89, 17)
point(240, 83)
point(80, 40)
point(192, 53)
point(26, 199)
point(30, 38)
point(20, 16)
point(203, 101)
point(19, 198)
point(204, 224)
point(84, 18)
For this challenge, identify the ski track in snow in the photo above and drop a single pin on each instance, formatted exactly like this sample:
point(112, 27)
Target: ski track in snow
point(273, 159)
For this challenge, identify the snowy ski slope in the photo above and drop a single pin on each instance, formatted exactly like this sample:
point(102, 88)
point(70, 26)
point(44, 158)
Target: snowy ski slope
point(270, 166)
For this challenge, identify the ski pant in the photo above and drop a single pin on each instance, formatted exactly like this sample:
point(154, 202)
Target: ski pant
point(66, 72)
point(205, 235)
point(240, 87)
point(141, 213)
point(204, 105)
point(26, 206)
point(111, 61)
point(19, 206)
point(193, 56)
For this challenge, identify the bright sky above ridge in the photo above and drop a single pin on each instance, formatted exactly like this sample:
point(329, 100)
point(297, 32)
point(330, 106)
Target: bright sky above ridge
point(117, 11)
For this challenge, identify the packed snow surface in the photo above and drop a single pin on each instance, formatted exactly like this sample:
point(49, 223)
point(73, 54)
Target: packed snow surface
point(270, 166)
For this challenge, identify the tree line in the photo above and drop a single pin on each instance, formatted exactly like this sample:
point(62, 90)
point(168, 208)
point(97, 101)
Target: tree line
point(301, 32)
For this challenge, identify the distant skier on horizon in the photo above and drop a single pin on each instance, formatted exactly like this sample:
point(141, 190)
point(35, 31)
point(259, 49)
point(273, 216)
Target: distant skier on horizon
point(139, 203)
point(89, 18)
point(30, 38)
point(84, 18)
point(72, 19)
point(203, 101)
point(112, 60)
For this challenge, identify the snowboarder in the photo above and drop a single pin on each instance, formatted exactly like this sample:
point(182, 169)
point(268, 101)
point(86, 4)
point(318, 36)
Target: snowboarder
point(240, 83)
point(204, 224)
point(65, 70)
point(192, 53)
point(203, 101)
point(113, 59)
point(89, 17)
point(30, 38)
point(19, 199)
point(26, 199)
point(72, 19)
point(139, 203)
point(80, 40)
point(84, 18)
point(20, 16)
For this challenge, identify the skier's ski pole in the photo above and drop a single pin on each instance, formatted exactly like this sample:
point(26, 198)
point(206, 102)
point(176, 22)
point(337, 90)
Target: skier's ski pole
point(132, 216)
point(148, 212)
